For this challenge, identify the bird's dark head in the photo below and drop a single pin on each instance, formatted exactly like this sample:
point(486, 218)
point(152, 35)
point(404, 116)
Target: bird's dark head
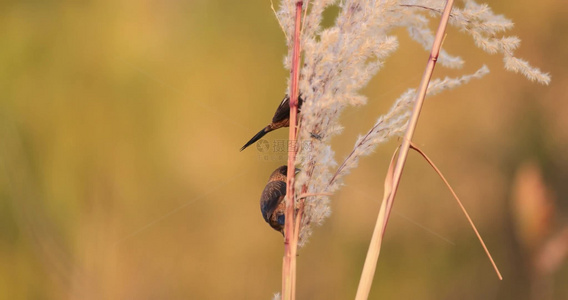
point(281, 173)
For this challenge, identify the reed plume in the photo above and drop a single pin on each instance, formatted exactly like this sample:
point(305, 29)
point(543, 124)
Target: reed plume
point(339, 61)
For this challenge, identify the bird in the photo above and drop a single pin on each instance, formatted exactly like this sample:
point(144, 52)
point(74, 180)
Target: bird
point(272, 204)
point(280, 119)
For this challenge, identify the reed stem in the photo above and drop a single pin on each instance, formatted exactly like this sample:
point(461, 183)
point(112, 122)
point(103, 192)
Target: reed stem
point(291, 239)
point(374, 248)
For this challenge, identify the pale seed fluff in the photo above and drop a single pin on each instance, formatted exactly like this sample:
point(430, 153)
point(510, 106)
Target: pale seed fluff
point(340, 60)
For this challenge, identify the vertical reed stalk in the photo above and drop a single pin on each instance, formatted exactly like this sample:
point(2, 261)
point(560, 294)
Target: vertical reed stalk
point(291, 239)
point(384, 213)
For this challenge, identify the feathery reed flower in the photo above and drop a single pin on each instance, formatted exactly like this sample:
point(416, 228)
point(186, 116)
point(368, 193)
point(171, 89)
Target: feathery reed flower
point(340, 60)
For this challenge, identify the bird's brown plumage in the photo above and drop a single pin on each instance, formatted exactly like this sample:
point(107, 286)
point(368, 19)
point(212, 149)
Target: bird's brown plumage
point(272, 205)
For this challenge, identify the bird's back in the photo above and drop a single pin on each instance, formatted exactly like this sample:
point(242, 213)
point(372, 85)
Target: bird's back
point(271, 204)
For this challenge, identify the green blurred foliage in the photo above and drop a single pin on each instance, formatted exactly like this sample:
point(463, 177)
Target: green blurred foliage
point(120, 175)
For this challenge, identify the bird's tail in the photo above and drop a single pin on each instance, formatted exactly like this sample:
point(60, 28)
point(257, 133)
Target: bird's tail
point(257, 137)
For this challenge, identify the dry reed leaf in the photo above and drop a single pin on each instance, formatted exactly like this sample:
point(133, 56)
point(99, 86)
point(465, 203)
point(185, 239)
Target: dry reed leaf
point(378, 233)
point(461, 206)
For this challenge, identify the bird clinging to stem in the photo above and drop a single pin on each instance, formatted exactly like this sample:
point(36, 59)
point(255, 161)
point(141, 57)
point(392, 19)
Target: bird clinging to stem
point(280, 119)
point(272, 204)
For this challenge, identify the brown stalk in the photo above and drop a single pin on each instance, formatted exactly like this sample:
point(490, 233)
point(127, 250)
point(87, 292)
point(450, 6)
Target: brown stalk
point(297, 224)
point(291, 239)
point(386, 207)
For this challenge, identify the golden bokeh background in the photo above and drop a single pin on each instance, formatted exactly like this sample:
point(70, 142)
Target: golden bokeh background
point(120, 175)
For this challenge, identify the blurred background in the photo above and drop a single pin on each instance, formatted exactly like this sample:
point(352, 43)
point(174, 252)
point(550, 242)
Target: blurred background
point(121, 176)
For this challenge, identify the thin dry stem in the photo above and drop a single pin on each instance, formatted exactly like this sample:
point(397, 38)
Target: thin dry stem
point(305, 14)
point(382, 220)
point(424, 7)
point(277, 19)
point(306, 195)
